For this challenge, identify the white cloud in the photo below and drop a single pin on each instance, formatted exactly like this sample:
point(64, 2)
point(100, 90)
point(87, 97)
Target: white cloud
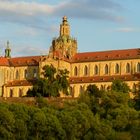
point(28, 51)
point(127, 29)
point(30, 12)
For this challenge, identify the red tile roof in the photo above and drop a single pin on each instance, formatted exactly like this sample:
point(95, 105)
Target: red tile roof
point(25, 61)
point(94, 79)
point(20, 83)
point(4, 61)
point(107, 55)
point(20, 61)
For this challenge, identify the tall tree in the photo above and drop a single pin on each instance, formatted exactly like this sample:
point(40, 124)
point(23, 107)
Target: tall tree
point(52, 84)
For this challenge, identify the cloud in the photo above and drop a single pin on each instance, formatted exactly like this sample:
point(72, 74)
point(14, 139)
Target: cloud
point(28, 51)
point(35, 13)
point(91, 9)
point(127, 29)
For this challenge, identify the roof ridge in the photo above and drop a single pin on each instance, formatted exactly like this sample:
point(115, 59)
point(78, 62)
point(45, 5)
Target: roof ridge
point(110, 50)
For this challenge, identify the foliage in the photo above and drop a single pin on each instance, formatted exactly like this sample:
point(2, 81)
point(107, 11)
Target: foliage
point(120, 86)
point(53, 83)
point(96, 115)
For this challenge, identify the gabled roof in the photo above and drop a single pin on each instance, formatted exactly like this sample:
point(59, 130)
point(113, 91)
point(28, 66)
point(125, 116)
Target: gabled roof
point(107, 55)
point(4, 61)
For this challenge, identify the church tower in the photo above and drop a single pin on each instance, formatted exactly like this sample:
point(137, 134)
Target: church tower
point(63, 47)
point(64, 27)
point(7, 51)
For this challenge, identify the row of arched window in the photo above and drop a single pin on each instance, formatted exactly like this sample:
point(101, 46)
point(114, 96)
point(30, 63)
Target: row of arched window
point(106, 69)
point(82, 88)
point(20, 92)
point(26, 74)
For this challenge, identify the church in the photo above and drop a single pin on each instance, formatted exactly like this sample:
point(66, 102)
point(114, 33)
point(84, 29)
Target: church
point(100, 68)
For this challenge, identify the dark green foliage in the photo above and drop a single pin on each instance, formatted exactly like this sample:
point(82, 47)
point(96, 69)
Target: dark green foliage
point(120, 86)
point(96, 115)
point(93, 90)
point(53, 83)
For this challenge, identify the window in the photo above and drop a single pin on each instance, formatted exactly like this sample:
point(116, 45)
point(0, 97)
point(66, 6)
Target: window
point(96, 71)
point(11, 92)
point(72, 91)
point(20, 92)
point(81, 90)
point(134, 90)
point(117, 69)
point(102, 87)
point(106, 69)
point(17, 74)
point(86, 71)
point(34, 73)
point(138, 67)
point(25, 74)
point(75, 71)
point(127, 68)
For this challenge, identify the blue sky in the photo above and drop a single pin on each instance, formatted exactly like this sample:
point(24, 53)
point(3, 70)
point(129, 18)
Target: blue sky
point(98, 25)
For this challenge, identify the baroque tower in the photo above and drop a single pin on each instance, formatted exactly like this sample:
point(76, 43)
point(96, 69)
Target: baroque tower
point(63, 47)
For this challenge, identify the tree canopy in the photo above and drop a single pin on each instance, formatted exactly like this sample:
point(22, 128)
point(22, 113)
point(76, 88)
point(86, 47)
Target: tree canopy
point(120, 86)
point(54, 82)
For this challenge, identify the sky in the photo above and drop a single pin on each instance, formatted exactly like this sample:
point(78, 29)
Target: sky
point(98, 25)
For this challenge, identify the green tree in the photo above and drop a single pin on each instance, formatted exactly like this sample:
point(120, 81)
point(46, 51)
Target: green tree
point(52, 84)
point(120, 86)
point(93, 90)
point(6, 124)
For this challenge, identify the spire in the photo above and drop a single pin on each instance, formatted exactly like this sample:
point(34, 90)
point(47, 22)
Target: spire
point(64, 27)
point(7, 50)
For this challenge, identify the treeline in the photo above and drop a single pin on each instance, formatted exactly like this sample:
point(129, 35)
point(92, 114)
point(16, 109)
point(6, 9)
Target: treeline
point(96, 115)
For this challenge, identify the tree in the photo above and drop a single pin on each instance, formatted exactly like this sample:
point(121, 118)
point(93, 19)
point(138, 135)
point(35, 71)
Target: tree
point(52, 84)
point(120, 86)
point(93, 90)
point(6, 124)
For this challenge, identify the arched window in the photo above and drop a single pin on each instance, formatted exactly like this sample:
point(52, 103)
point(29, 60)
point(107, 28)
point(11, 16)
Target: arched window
point(17, 74)
point(72, 91)
point(127, 68)
point(106, 69)
point(25, 74)
point(117, 69)
point(138, 67)
point(86, 71)
point(102, 87)
point(96, 70)
point(11, 92)
point(75, 71)
point(34, 73)
point(20, 92)
point(81, 90)
point(134, 90)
